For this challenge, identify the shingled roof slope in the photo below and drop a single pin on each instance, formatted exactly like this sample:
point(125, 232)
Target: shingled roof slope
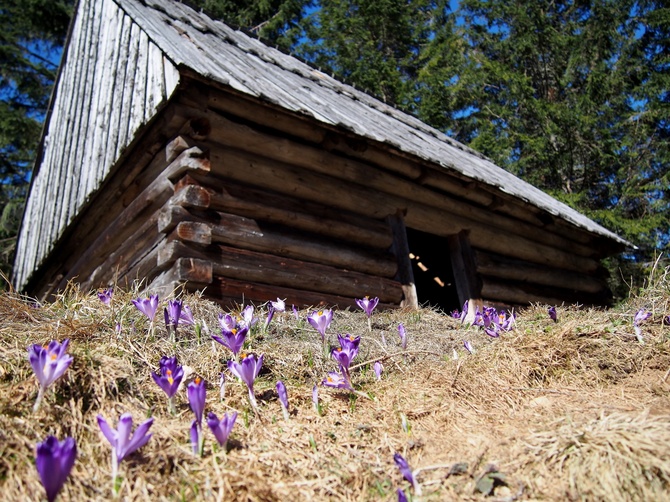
point(218, 52)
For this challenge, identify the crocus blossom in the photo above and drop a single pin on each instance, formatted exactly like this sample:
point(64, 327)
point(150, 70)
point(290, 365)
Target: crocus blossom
point(228, 322)
point(168, 378)
point(197, 392)
point(378, 368)
point(147, 306)
point(337, 381)
point(232, 339)
point(278, 306)
point(248, 316)
point(401, 495)
point(186, 316)
point(121, 441)
point(367, 304)
point(49, 362)
point(407, 473)
point(172, 314)
point(320, 320)
point(468, 346)
point(105, 296)
point(315, 399)
point(403, 336)
point(221, 428)
point(283, 398)
point(295, 312)
point(54, 460)
point(553, 315)
point(247, 370)
point(640, 315)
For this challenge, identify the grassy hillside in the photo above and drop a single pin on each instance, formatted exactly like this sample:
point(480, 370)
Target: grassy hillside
point(567, 410)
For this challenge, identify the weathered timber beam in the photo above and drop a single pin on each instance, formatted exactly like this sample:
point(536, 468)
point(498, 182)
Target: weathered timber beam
point(264, 268)
point(228, 163)
point(507, 268)
point(242, 137)
point(189, 273)
point(265, 206)
point(243, 292)
point(520, 293)
point(468, 282)
point(405, 275)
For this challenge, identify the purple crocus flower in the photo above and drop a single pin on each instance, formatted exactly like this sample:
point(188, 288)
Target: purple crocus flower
point(120, 439)
point(378, 368)
point(367, 304)
point(295, 312)
point(468, 346)
point(186, 316)
point(493, 331)
point(168, 378)
point(320, 321)
point(337, 381)
point(553, 315)
point(105, 295)
point(49, 362)
point(640, 315)
point(197, 438)
point(147, 306)
point(401, 495)
point(172, 313)
point(315, 399)
point(403, 336)
point(247, 371)
point(506, 322)
point(221, 428)
point(232, 339)
point(228, 322)
point(283, 398)
point(54, 460)
point(278, 306)
point(406, 471)
point(248, 316)
point(196, 391)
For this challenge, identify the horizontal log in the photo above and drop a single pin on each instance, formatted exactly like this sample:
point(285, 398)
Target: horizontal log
point(291, 180)
point(247, 234)
point(280, 271)
point(194, 232)
point(274, 208)
point(282, 149)
point(523, 294)
point(519, 271)
point(243, 292)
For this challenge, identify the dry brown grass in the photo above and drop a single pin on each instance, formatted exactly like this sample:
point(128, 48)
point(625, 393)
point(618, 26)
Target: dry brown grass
point(574, 410)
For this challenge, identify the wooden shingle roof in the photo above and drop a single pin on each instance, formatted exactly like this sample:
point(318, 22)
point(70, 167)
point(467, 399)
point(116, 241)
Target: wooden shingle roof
point(231, 58)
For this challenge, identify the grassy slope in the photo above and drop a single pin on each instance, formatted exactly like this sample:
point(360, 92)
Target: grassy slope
point(571, 410)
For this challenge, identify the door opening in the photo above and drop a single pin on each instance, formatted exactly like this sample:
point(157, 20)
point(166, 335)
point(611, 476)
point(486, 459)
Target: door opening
point(433, 274)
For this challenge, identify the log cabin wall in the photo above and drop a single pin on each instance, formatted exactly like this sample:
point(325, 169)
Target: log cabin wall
point(112, 82)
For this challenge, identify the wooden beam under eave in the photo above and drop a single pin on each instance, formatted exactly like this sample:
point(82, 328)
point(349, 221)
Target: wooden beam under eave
point(400, 248)
point(464, 267)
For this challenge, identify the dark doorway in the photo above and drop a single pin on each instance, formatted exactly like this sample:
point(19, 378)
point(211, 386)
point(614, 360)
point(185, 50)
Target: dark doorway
point(433, 275)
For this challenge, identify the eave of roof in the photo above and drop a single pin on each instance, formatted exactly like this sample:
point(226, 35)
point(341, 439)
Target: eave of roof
point(231, 58)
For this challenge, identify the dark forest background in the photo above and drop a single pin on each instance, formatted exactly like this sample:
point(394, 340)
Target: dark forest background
point(572, 96)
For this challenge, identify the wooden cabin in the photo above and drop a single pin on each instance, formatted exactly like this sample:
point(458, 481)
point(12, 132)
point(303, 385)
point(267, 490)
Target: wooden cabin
point(178, 150)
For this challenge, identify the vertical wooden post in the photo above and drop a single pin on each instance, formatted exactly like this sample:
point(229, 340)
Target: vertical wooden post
point(464, 266)
point(400, 248)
